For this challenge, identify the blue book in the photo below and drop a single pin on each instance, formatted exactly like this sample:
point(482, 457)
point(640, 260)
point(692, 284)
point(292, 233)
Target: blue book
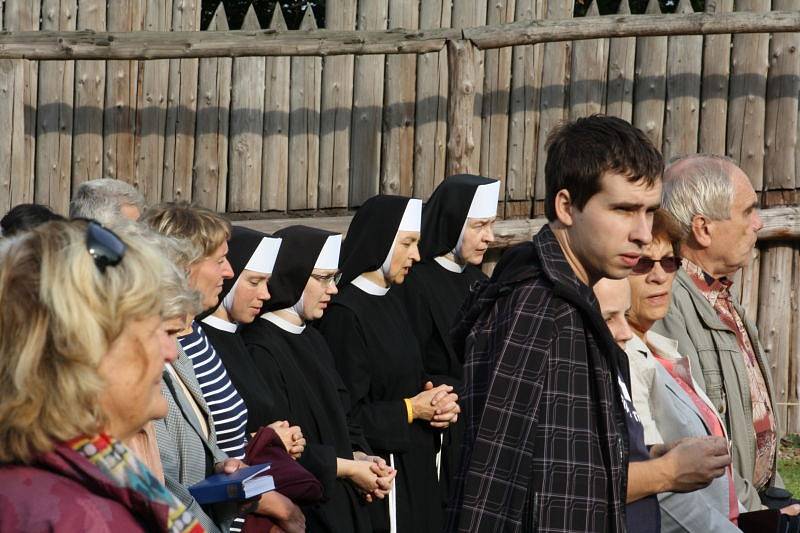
point(240, 485)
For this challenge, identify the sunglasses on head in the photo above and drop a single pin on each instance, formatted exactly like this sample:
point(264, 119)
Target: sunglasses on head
point(669, 264)
point(105, 247)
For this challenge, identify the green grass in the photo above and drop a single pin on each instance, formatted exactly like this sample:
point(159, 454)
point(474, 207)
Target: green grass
point(789, 463)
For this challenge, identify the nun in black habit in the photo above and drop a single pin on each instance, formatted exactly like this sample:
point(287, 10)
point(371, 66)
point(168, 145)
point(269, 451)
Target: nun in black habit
point(457, 225)
point(307, 389)
point(400, 410)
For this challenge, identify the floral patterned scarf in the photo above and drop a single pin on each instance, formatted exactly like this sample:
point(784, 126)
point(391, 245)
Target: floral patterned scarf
point(117, 463)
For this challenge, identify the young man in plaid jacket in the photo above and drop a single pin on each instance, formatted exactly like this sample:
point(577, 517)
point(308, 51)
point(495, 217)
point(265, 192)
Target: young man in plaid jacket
point(546, 402)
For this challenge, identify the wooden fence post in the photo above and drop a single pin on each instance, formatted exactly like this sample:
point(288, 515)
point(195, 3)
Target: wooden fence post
point(650, 81)
point(621, 61)
point(461, 58)
point(716, 73)
point(587, 91)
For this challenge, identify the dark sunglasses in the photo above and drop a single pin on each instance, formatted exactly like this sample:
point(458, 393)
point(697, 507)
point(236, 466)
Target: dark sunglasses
point(669, 264)
point(327, 280)
point(105, 247)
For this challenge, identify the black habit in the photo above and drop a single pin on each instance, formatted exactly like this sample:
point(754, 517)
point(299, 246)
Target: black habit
point(379, 360)
point(295, 363)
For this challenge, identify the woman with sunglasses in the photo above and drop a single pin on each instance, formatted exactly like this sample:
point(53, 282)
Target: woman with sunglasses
point(669, 402)
point(82, 349)
point(295, 367)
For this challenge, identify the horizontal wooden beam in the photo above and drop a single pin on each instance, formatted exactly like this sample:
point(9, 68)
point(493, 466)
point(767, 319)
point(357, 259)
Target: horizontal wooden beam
point(780, 223)
point(543, 31)
point(87, 44)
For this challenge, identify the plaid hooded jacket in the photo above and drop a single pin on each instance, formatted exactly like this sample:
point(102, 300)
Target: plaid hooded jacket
point(546, 442)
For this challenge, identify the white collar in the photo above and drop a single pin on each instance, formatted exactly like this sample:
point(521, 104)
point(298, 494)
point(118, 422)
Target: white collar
point(666, 347)
point(282, 323)
point(449, 264)
point(370, 287)
point(217, 322)
point(637, 345)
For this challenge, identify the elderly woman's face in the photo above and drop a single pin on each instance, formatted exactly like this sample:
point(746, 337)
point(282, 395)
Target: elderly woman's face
point(132, 371)
point(406, 253)
point(651, 292)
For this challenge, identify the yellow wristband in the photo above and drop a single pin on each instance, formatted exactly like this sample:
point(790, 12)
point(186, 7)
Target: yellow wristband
point(409, 410)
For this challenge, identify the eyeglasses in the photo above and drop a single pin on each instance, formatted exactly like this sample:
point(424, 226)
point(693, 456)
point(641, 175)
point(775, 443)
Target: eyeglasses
point(669, 264)
point(105, 247)
point(328, 279)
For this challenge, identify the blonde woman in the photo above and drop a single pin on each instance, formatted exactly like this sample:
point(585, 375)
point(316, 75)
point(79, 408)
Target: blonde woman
point(82, 349)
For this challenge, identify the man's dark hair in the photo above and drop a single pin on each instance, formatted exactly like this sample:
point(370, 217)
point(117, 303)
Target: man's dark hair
point(579, 152)
point(26, 216)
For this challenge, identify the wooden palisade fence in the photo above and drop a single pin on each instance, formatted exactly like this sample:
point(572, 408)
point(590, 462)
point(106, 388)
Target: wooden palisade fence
point(319, 120)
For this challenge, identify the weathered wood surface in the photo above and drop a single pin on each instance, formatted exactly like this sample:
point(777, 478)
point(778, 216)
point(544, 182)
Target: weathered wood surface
point(748, 87)
point(179, 138)
point(468, 14)
point(783, 86)
point(684, 66)
point(555, 81)
point(716, 73)
point(777, 261)
point(23, 15)
point(621, 64)
point(793, 409)
point(587, 91)
point(399, 99)
point(90, 88)
point(526, 83)
point(651, 83)
point(304, 102)
point(430, 111)
point(461, 58)
point(247, 124)
point(275, 154)
point(119, 118)
point(12, 144)
point(209, 183)
point(496, 97)
point(336, 113)
point(151, 108)
point(54, 114)
point(365, 142)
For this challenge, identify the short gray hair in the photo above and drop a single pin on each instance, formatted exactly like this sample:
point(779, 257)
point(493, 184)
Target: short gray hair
point(698, 184)
point(102, 199)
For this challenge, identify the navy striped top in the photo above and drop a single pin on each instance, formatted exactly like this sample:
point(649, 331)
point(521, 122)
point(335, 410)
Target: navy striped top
point(227, 408)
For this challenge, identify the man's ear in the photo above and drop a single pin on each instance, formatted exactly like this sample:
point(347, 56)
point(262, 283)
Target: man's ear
point(564, 207)
point(701, 230)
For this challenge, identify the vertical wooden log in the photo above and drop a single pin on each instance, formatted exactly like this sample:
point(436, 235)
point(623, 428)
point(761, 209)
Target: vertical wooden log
point(23, 15)
point(397, 148)
point(90, 89)
point(553, 96)
point(587, 90)
point(773, 315)
point(275, 155)
point(431, 106)
point(151, 107)
point(213, 117)
point(119, 124)
point(182, 110)
point(247, 125)
point(716, 73)
point(54, 117)
point(650, 82)
point(783, 86)
point(13, 190)
point(336, 111)
point(461, 60)
point(793, 410)
point(751, 278)
point(469, 14)
point(684, 66)
point(748, 87)
point(365, 147)
point(304, 126)
point(621, 63)
point(526, 78)
point(496, 96)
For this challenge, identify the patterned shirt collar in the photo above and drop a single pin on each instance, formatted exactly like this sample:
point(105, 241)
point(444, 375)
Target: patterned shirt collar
point(712, 288)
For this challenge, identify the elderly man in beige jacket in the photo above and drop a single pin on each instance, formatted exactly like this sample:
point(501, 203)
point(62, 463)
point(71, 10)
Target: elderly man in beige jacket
point(716, 204)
